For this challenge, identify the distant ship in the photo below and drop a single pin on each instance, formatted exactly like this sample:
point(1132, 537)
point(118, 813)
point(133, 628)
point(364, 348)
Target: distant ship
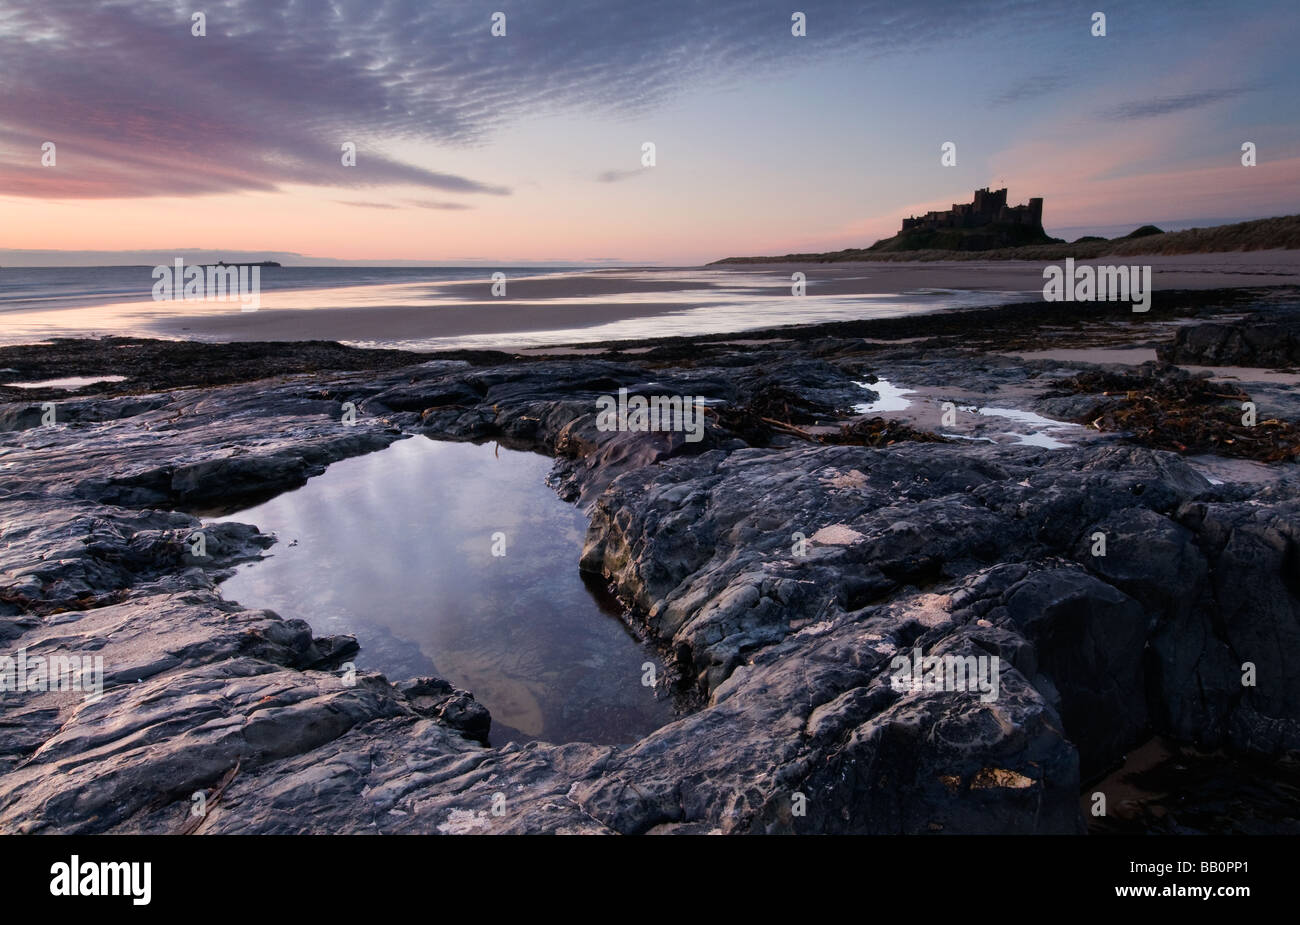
point(260, 263)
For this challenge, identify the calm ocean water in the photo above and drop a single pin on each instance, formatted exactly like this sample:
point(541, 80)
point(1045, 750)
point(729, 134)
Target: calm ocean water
point(32, 288)
point(413, 308)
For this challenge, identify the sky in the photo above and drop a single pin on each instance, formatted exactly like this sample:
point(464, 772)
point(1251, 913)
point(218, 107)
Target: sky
point(527, 147)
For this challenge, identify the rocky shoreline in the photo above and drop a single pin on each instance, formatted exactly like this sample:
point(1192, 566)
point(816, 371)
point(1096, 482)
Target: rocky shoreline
point(780, 564)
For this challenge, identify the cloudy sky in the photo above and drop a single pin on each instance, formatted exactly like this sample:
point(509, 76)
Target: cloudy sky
point(528, 146)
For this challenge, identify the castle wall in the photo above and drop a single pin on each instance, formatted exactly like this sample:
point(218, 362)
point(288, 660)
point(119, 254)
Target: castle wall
point(985, 208)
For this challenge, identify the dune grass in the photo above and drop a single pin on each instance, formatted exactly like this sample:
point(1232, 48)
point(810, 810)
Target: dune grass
point(1282, 232)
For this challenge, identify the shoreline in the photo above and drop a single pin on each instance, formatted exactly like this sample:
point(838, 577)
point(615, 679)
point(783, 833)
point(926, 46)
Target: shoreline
point(595, 306)
point(963, 537)
point(480, 315)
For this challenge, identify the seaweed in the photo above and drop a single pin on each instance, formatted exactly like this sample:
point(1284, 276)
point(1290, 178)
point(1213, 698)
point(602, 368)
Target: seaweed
point(1164, 407)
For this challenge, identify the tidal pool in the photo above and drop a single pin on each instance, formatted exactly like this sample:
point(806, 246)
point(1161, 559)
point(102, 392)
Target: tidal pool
point(68, 382)
point(891, 397)
point(397, 547)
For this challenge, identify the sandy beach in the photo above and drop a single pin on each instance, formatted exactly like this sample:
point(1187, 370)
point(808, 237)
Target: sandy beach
point(584, 306)
point(551, 310)
point(1183, 271)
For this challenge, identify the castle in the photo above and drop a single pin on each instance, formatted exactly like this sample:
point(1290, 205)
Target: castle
point(988, 208)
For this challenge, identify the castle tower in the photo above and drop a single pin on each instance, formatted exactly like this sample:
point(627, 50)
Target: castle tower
point(1036, 211)
point(986, 207)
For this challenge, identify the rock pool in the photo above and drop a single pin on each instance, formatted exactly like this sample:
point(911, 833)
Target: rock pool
point(456, 560)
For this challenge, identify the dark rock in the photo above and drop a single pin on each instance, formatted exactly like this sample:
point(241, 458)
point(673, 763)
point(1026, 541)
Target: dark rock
point(1253, 341)
point(782, 576)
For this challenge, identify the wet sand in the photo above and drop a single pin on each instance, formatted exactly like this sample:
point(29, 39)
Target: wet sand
point(1182, 271)
point(1134, 356)
point(580, 308)
point(573, 302)
point(397, 323)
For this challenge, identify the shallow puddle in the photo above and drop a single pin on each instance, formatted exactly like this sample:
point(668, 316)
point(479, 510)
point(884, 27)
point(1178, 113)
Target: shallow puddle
point(890, 397)
point(1040, 427)
point(397, 547)
point(68, 382)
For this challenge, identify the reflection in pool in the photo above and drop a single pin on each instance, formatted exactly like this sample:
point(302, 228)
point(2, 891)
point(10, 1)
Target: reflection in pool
point(397, 548)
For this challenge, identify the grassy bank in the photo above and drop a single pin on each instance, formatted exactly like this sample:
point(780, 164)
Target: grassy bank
point(1262, 234)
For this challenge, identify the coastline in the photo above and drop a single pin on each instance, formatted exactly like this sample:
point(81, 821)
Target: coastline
point(596, 299)
point(960, 538)
point(605, 304)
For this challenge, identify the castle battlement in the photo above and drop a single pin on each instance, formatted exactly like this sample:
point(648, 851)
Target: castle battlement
point(987, 208)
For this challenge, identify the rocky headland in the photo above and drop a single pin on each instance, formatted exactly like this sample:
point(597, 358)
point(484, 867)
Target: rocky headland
point(779, 564)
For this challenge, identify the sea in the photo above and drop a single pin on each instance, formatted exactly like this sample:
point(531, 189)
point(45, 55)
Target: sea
point(39, 303)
